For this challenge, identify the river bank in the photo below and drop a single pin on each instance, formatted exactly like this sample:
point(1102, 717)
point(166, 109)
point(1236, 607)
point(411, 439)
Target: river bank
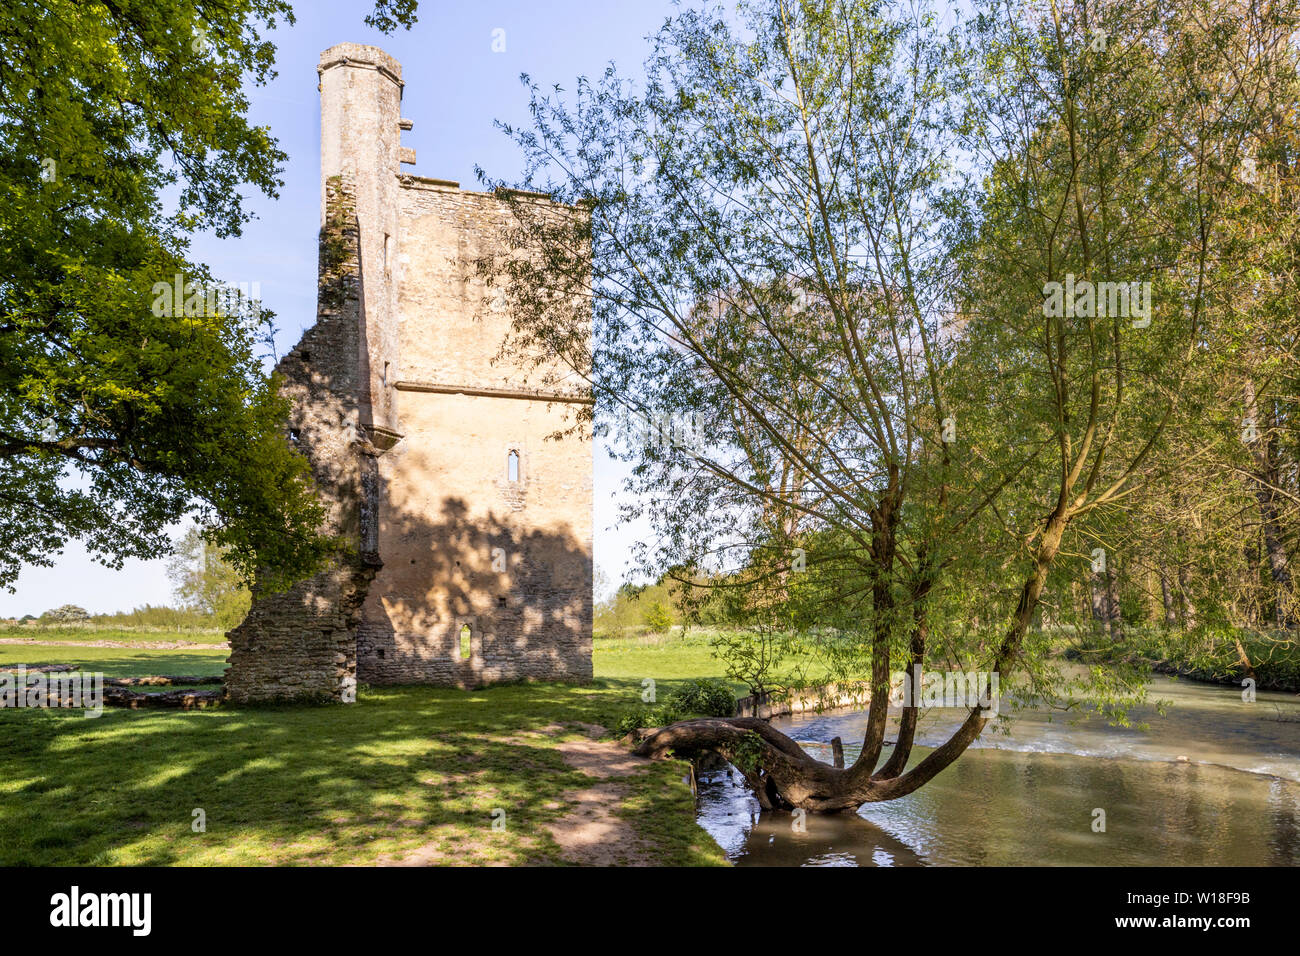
point(1270, 659)
point(1216, 780)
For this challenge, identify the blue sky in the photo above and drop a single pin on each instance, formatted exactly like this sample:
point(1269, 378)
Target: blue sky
point(456, 86)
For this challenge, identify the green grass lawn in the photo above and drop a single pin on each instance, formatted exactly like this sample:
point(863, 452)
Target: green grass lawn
point(119, 661)
point(659, 657)
point(403, 770)
point(54, 634)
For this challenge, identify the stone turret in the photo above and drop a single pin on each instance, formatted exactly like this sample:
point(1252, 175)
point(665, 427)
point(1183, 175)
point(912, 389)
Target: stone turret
point(361, 132)
point(301, 644)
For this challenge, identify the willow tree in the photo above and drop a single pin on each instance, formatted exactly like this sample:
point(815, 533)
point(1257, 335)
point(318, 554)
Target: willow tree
point(1115, 136)
point(780, 333)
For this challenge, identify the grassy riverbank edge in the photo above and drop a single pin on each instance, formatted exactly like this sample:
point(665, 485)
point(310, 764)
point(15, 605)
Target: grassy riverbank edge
point(1225, 657)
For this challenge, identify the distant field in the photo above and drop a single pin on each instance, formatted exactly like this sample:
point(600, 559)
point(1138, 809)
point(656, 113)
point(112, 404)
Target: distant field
point(119, 661)
point(55, 634)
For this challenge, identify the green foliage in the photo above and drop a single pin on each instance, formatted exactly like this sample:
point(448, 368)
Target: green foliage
point(657, 617)
point(206, 582)
point(705, 697)
point(702, 697)
point(388, 15)
point(1210, 653)
point(636, 607)
point(819, 231)
point(115, 420)
point(747, 754)
point(154, 617)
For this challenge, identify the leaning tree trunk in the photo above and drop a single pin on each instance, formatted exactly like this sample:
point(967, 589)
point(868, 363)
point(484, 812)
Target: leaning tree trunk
point(912, 685)
point(1114, 614)
point(1100, 612)
point(1266, 478)
point(783, 775)
point(1184, 595)
point(1167, 597)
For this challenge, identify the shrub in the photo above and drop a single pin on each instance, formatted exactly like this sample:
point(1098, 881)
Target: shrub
point(66, 614)
point(703, 697)
point(657, 617)
point(706, 697)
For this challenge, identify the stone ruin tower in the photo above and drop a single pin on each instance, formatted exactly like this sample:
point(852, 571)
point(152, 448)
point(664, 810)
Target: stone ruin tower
point(473, 530)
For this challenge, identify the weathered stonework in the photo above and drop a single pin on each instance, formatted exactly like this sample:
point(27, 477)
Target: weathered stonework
point(301, 644)
point(432, 458)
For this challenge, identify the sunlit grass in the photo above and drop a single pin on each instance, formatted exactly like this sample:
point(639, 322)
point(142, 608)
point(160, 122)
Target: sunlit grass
point(403, 770)
point(60, 633)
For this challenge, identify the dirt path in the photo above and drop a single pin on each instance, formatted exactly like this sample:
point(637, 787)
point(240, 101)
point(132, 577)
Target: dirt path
point(592, 833)
point(143, 645)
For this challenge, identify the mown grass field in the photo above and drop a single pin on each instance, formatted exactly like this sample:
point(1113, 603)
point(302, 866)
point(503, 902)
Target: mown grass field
point(404, 771)
point(73, 633)
point(119, 661)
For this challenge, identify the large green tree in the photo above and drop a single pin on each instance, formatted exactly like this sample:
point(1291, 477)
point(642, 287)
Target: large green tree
point(123, 131)
point(820, 242)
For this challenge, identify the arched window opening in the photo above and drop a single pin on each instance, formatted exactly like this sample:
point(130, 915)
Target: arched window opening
point(465, 635)
point(512, 466)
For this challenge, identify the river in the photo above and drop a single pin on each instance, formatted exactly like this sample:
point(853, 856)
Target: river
point(1216, 780)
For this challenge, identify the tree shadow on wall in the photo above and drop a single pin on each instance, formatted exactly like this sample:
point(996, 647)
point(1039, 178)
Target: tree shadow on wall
point(521, 595)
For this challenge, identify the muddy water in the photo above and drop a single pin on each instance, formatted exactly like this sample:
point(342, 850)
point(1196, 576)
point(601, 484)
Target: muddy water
point(1213, 781)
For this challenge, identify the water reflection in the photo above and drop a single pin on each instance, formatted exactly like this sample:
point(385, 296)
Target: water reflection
point(1213, 782)
point(734, 819)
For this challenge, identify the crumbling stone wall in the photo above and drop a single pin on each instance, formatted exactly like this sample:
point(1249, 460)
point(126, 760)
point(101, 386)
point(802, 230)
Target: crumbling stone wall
point(301, 644)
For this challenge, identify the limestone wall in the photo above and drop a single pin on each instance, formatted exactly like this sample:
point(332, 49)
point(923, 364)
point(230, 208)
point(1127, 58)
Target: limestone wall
point(301, 644)
point(464, 544)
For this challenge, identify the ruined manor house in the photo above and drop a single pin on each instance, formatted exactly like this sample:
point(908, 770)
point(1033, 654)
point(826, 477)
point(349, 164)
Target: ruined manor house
point(473, 528)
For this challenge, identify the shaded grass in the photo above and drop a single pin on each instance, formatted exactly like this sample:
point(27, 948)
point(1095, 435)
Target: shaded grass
point(403, 769)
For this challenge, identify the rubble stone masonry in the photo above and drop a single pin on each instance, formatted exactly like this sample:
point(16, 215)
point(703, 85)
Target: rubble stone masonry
point(473, 528)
